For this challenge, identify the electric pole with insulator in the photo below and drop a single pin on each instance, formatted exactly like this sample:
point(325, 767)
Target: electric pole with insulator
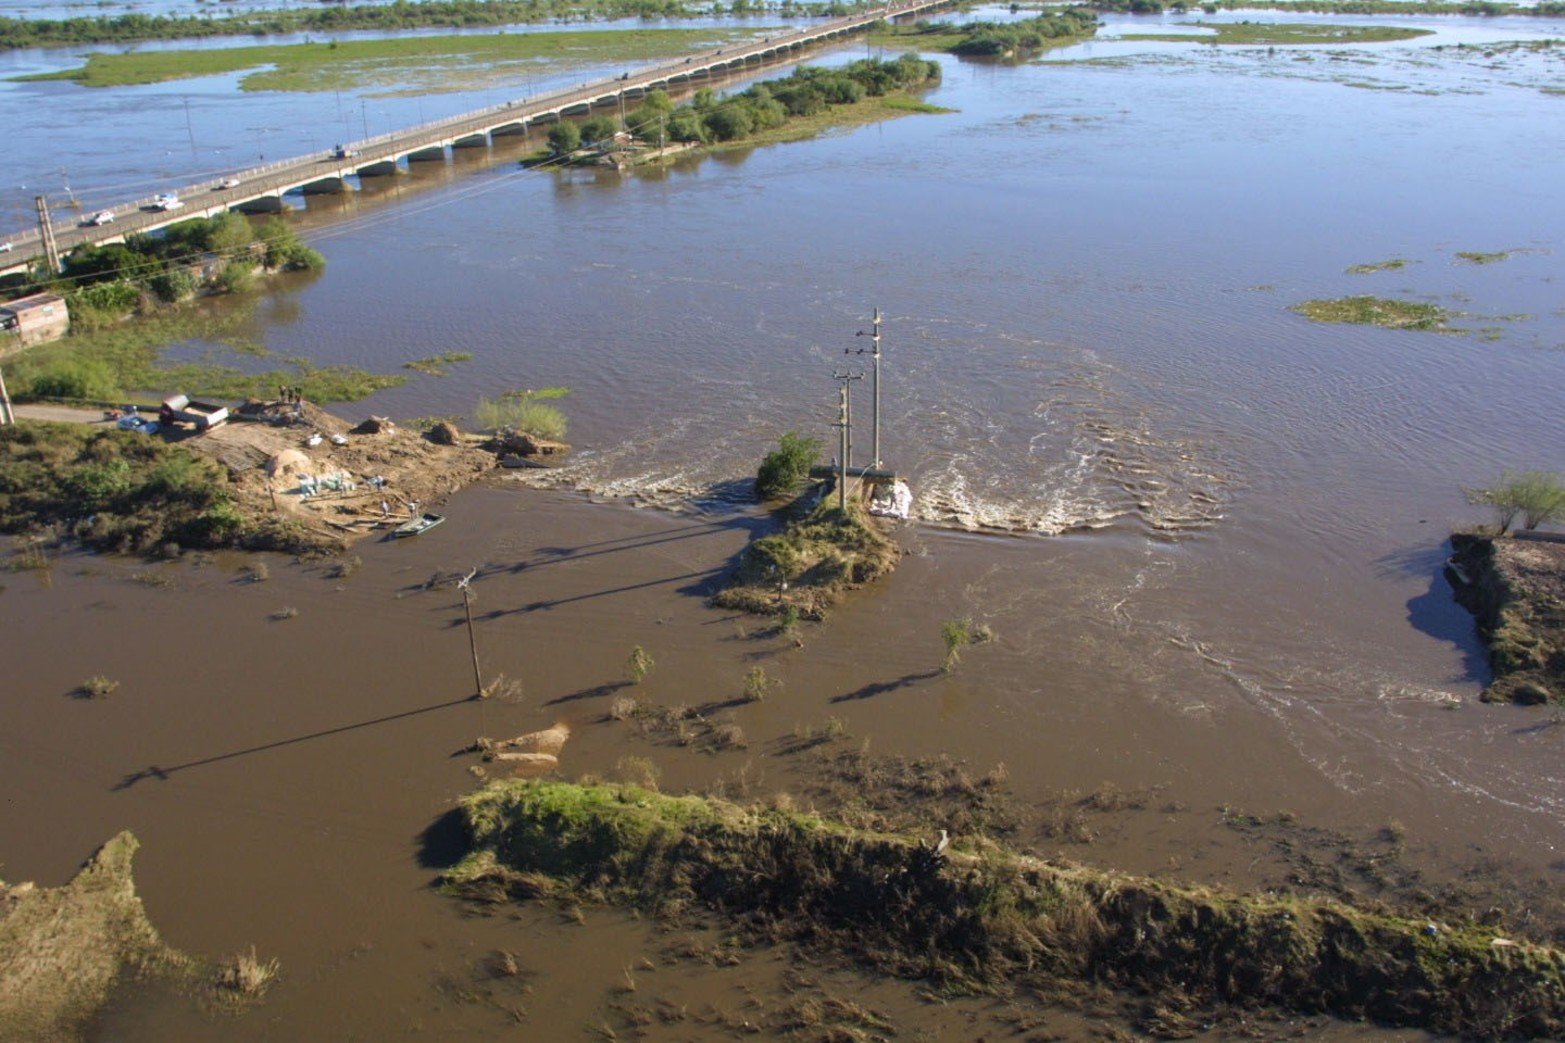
point(874, 353)
point(845, 423)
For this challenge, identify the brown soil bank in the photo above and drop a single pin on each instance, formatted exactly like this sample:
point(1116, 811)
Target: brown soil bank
point(981, 916)
point(62, 949)
point(1516, 588)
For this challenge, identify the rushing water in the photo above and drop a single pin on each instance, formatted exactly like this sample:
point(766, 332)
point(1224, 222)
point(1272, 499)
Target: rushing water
point(1224, 579)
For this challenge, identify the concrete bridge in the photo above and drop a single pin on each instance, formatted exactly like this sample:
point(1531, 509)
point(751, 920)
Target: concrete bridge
point(260, 189)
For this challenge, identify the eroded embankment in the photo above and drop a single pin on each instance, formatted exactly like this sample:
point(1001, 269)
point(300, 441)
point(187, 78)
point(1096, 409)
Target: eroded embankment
point(811, 564)
point(1516, 589)
point(981, 916)
point(63, 948)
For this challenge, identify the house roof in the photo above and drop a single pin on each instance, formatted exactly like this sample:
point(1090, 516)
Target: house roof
point(26, 304)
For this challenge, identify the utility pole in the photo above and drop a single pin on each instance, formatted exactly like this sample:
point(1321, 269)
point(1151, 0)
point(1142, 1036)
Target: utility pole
point(472, 642)
point(845, 422)
point(51, 252)
point(190, 129)
point(6, 416)
point(873, 353)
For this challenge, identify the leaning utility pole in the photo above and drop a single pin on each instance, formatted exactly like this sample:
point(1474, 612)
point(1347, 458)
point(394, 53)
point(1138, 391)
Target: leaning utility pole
point(873, 353)
point(51, 252)
point(472, 642)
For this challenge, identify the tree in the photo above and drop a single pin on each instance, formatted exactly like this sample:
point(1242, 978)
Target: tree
point(1538, 497)
point(786, 467)
point(564, 138)
point(598, 129)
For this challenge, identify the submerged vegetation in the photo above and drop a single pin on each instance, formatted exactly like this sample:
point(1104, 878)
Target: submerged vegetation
point(1391, 265)
point(1474, 257)
point(972, 915)
point(1257, 33)
point(432, 62)
point(438, 365)
point(63, 950)
point(1479, 8)
point(1379, 311)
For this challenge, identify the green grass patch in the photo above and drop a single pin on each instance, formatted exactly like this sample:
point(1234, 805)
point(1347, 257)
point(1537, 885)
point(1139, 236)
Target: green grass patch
point(438, 365)
point(1394, 264)
point(118, 362)
point(1380, 311)
point(1256, 33)
point(423, 63)
point(903, 103)
point(1473, 257)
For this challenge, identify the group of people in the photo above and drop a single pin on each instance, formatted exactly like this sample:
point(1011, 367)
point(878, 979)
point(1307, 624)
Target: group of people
point(290, 396)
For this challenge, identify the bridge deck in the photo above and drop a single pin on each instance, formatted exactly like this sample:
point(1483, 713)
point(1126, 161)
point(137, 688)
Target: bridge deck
point(380, 154)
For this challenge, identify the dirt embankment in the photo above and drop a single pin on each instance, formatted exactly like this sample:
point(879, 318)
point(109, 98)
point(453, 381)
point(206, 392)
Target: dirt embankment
point(973, 915)
point(341, 482)
point(805, 569)
point(1516, 589)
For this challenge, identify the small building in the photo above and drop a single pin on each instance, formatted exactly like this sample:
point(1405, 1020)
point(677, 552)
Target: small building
point(35, 319)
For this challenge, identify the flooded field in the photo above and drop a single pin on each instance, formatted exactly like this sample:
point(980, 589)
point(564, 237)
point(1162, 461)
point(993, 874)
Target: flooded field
point(1207, 532)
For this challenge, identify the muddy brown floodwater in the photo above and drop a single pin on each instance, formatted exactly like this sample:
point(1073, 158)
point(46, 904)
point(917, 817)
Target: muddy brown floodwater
point(291, 779)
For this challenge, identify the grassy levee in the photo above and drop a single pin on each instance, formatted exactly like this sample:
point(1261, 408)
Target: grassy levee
point(983, 917)
point(820, 556)
point(62, 949)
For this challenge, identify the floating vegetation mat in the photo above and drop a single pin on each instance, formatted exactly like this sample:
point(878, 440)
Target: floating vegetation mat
point(979, 917)
point(1379, 311)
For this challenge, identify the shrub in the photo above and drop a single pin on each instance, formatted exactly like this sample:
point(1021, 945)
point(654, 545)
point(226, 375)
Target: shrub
point(173, 285)
point(564, 138)
point(98, 687)
point(237, 276)
point(598, 129)
point(87, 379)
point(786, 467)
point(638, 666)
point(521, 413)
point(1537, 497)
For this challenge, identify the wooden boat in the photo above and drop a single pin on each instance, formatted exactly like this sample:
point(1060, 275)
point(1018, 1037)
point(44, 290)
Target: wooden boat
point(414, 526)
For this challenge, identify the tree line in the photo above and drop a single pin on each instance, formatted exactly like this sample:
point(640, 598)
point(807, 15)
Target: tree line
point(708, 118)
point(988, 39)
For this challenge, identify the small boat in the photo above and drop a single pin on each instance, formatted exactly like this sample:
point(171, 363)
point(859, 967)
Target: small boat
point(414, 526)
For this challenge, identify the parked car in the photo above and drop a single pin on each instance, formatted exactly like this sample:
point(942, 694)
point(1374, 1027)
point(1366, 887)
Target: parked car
point(102, 217)
point(226, 183)
point(166, 201)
